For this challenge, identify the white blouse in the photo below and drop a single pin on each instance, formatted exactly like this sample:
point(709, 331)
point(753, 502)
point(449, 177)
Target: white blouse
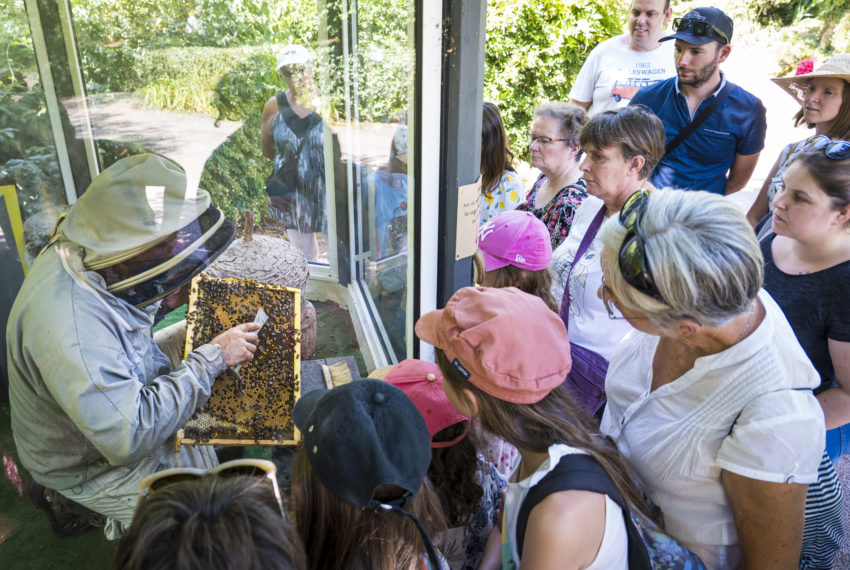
point(748, 409)
point(613, 552)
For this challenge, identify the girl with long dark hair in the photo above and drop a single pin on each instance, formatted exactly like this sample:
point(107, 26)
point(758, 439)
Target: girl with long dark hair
point(468, 485)
point(519, 397)
point(361, 499)
point(501, 188)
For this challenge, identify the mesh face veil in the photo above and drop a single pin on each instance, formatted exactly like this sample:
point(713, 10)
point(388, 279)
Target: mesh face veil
point(171, 263)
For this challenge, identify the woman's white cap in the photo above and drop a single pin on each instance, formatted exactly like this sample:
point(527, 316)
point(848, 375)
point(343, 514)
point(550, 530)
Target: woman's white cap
point(293, 54)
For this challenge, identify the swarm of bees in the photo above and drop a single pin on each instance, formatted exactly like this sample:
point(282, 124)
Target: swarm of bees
point(251, 404)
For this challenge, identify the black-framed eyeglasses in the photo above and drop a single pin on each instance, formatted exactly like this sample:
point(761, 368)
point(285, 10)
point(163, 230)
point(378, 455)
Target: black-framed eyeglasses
point(257, 468)
point(634, 265)
point(698, 28)
point(541, 140)
point(609, 305)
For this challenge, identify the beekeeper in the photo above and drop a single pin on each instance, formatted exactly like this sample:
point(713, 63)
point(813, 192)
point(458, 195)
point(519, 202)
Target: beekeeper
point(94, 401)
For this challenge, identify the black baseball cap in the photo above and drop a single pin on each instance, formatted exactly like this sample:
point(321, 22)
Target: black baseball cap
point(362, 435)
point(701, 26)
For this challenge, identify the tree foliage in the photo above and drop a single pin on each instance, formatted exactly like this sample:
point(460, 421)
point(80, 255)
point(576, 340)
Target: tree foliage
point(788, 12)
point(535, 49)
point(218, 57)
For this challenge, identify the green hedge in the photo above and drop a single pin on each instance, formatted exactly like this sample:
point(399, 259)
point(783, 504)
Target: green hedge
point(230, 83)
point(175, 53)
point(235, 173)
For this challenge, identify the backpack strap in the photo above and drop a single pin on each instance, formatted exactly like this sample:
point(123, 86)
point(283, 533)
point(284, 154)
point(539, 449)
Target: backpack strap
point(281, 100)
point(581, 472)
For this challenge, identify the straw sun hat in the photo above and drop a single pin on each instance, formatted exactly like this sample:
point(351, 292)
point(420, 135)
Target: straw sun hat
point(837, 66)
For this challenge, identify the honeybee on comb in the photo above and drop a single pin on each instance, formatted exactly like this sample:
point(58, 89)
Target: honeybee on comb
point(250, 404)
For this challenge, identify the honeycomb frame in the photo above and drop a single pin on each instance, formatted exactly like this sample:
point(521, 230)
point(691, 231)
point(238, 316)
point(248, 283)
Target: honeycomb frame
point(249, 404)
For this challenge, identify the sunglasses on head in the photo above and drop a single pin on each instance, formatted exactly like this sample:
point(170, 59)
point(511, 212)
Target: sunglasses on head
point(836, 150)
point(634, 265)
point(698, 28)
point(257, 468)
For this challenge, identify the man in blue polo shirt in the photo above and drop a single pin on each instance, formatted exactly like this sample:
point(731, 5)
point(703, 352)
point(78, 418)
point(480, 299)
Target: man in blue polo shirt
point(721, 154)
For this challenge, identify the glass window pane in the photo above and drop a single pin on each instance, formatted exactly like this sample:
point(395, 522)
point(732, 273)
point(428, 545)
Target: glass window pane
point(383, 92)
point(32, 188)
point(296, 110)
point(201, 83)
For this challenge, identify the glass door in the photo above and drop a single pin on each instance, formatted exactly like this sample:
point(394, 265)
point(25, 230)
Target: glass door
point(298, 111)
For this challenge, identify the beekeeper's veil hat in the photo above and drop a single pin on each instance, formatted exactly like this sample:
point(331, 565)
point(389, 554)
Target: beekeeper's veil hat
point(144, 230)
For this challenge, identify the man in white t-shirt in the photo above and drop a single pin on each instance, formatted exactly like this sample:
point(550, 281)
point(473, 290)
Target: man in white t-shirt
point(619, 66)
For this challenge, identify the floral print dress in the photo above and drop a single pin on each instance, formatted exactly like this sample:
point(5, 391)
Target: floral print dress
point(558, 213)
point(506, 196)
point(463, 546)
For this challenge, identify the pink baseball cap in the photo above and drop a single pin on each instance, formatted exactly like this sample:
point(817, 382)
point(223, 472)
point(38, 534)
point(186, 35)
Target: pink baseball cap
point(423, 383)
point(515, 238)
point(486, 333)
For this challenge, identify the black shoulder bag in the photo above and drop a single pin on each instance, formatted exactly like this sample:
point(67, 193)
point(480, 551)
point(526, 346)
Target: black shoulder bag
point(698, 120)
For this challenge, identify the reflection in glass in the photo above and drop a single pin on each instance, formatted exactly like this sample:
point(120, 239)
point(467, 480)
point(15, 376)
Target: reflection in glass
point(28, 159)
point(292, 136)
point(383, 81)
point(387, 188)
point(191, 80)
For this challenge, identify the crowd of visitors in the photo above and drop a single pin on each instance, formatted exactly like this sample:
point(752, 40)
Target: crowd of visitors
point(638, 378)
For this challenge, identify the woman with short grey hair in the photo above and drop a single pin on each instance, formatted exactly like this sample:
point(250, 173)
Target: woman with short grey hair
point(704, 265)
point(709, 399)
point(553, 148)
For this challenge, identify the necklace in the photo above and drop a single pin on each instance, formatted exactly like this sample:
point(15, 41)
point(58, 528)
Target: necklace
point(746, 326)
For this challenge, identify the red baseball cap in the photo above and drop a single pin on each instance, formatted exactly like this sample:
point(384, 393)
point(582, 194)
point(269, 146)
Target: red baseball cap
point(504, 341)
point(423, 383)
point(515, 238)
